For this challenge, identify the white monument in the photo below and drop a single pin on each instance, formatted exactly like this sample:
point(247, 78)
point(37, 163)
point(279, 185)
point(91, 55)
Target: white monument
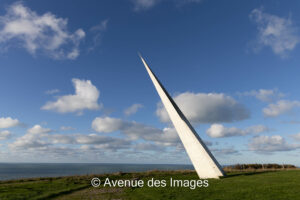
point(203, 161)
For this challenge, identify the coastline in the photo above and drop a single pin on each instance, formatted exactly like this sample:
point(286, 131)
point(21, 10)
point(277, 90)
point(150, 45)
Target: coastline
point(9, 171)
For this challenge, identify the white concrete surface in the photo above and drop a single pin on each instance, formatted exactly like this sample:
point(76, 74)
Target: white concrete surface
point(204, 162)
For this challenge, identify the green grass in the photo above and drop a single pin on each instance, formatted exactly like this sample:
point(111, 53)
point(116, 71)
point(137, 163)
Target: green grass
point(43, 188)
point(276, 185)
point(265, 185)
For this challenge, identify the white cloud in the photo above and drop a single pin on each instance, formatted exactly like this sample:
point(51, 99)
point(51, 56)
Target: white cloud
point(134, 130)
point(5, 134)
point(103, 142)
point(32, 139)
point(8, 122)
point(107, 124)
point(38, 137)
point(218, 131)
point(280, 107)
point(60, 139)
point(45, 33)
point(136, 142)
point(166, 137)
point(278, 33)
point(132, 109)
point(265, 95)
point(37, 129)
point(267, 144)
point(42, 144)
point(98, 141)
point(206, 108)
point(85, 97)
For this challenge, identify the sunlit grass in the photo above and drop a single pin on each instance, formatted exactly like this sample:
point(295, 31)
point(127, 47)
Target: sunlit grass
point(264, 185)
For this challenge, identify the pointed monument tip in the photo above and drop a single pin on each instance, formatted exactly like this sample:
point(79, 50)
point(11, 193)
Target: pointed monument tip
point(141, 57)
point(139, 54)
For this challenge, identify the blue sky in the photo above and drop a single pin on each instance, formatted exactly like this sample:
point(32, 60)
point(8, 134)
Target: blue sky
point(74, 90)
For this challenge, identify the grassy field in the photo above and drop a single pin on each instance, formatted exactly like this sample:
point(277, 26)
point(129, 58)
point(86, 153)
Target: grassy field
point(265, 185)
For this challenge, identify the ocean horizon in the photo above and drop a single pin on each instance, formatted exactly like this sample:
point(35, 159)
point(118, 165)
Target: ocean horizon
point(10, 171)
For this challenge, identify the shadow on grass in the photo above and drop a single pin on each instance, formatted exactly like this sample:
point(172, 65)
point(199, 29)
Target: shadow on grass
point(64, 192)
point(247, 173)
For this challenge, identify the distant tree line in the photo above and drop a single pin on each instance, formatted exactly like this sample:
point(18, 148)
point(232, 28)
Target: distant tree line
point(258, 166)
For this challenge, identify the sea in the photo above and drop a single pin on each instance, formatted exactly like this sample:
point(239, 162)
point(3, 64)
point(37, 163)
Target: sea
point(10, 171)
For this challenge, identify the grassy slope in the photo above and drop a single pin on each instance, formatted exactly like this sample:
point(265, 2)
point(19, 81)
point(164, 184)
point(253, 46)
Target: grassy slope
point(278, 185)
point(267, 185)
point(42, 188)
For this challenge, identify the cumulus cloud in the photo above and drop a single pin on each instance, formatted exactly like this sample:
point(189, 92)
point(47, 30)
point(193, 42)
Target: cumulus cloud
point(5, 135)
point(278, 33)
point(134, 130)
point(8, 122)
point(85, 97)
point(280, 107)
point(59, 139)
point(37, 129)
point(32, 139)
point(268, 144)
point(46, 33)
point(107, 124)
point(218, 131)
point(206, 108)
point(132, 109)
point(38, 137)
point(135, 139)
point(90, 141)
point(265, 95)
